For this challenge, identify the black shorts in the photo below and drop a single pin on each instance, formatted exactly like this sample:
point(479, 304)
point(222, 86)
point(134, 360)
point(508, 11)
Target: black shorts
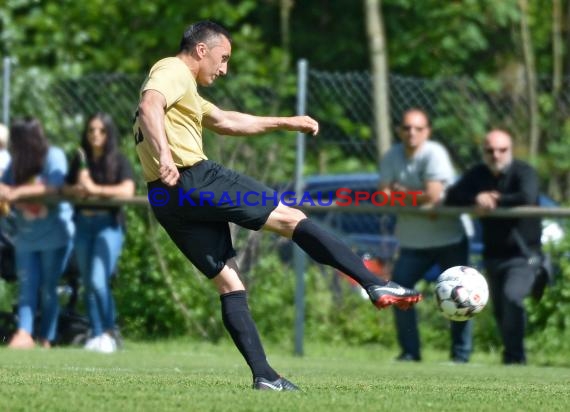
point(195, 213)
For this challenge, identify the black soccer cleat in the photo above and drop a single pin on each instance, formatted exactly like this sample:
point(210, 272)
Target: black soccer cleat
point(393, 294)
point(279, 385)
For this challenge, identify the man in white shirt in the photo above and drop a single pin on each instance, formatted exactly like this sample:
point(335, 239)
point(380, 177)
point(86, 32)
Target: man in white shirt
point(418, 163)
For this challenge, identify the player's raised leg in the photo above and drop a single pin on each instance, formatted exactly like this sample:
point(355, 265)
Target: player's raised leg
point(327, 249)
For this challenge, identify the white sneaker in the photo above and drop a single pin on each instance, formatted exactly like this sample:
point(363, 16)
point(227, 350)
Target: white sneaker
point(92, 343)
point(106, 344)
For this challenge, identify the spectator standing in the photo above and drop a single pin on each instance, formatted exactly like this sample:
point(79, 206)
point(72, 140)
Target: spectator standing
point(43, 231)
point(100, 171)
point(168, 135)
point(502, 181)
point(420, 164)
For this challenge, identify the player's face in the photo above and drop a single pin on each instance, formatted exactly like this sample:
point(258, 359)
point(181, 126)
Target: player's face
point(498, 151)
point(215, 62)
point(414, 130)
point(96, 134)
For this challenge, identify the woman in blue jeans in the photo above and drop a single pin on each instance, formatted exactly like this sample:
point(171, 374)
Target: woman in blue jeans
point(99, 170)
point(43, 231)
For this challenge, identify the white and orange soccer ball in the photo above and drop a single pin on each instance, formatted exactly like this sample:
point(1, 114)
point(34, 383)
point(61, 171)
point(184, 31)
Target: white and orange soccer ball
point(461, 292)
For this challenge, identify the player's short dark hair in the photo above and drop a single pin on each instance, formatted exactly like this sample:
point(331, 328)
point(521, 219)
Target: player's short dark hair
point(202, 32)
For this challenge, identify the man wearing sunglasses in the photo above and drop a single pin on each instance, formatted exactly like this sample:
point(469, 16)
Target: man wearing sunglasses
point(421, 164)
point(502, 181)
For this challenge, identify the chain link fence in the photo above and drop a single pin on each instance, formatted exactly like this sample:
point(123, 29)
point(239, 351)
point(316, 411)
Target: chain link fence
point(462, 109)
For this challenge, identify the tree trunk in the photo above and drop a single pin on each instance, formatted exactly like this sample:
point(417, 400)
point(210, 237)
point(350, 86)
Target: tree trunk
point(530, 71)
point(285, 18)
point(557, 51)
point(379, 64)
point(566, 69)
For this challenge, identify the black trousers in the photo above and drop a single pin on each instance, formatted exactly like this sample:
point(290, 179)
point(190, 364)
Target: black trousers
point(510, 281)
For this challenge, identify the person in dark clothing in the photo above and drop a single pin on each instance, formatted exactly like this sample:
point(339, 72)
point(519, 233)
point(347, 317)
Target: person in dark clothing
point(501, 181)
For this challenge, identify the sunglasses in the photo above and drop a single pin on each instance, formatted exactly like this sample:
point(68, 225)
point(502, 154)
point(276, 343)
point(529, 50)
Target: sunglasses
point(491, 150)
point(407, 128)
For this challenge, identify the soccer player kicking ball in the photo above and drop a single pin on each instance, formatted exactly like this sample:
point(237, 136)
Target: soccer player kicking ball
point(168, 133)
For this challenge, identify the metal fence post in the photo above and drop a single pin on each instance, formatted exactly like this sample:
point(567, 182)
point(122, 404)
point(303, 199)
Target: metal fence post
point(299, 257)
point(6, 91)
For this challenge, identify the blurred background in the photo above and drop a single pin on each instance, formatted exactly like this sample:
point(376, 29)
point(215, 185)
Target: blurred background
point(471, 64)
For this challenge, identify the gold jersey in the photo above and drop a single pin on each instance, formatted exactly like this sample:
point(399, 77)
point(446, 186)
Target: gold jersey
point(185, 109)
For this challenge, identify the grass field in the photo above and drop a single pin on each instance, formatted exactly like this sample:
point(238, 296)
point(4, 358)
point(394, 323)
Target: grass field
point(182, 376)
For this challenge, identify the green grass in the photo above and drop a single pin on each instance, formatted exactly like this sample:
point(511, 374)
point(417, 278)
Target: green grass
point(181, 376)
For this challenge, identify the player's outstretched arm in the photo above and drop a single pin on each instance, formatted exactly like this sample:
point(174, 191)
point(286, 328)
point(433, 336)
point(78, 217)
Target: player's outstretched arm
point(242, 124)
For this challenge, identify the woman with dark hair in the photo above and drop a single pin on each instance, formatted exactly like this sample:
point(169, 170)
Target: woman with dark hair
point(99, 170)
point(44, 232)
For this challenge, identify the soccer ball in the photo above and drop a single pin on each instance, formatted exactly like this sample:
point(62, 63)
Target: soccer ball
point(461, 293)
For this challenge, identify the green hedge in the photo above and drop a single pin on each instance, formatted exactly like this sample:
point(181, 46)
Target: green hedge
point(159, 294)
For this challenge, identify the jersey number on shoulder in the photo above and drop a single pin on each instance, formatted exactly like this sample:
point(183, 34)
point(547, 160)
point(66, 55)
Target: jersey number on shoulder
point(137, 130)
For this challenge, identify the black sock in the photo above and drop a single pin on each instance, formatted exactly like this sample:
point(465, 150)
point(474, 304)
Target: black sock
point(239, 323)
point(329, 250)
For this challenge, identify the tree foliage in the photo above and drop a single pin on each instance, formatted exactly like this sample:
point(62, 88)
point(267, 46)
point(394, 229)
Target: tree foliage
point(425, 38)
point(73, 37)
